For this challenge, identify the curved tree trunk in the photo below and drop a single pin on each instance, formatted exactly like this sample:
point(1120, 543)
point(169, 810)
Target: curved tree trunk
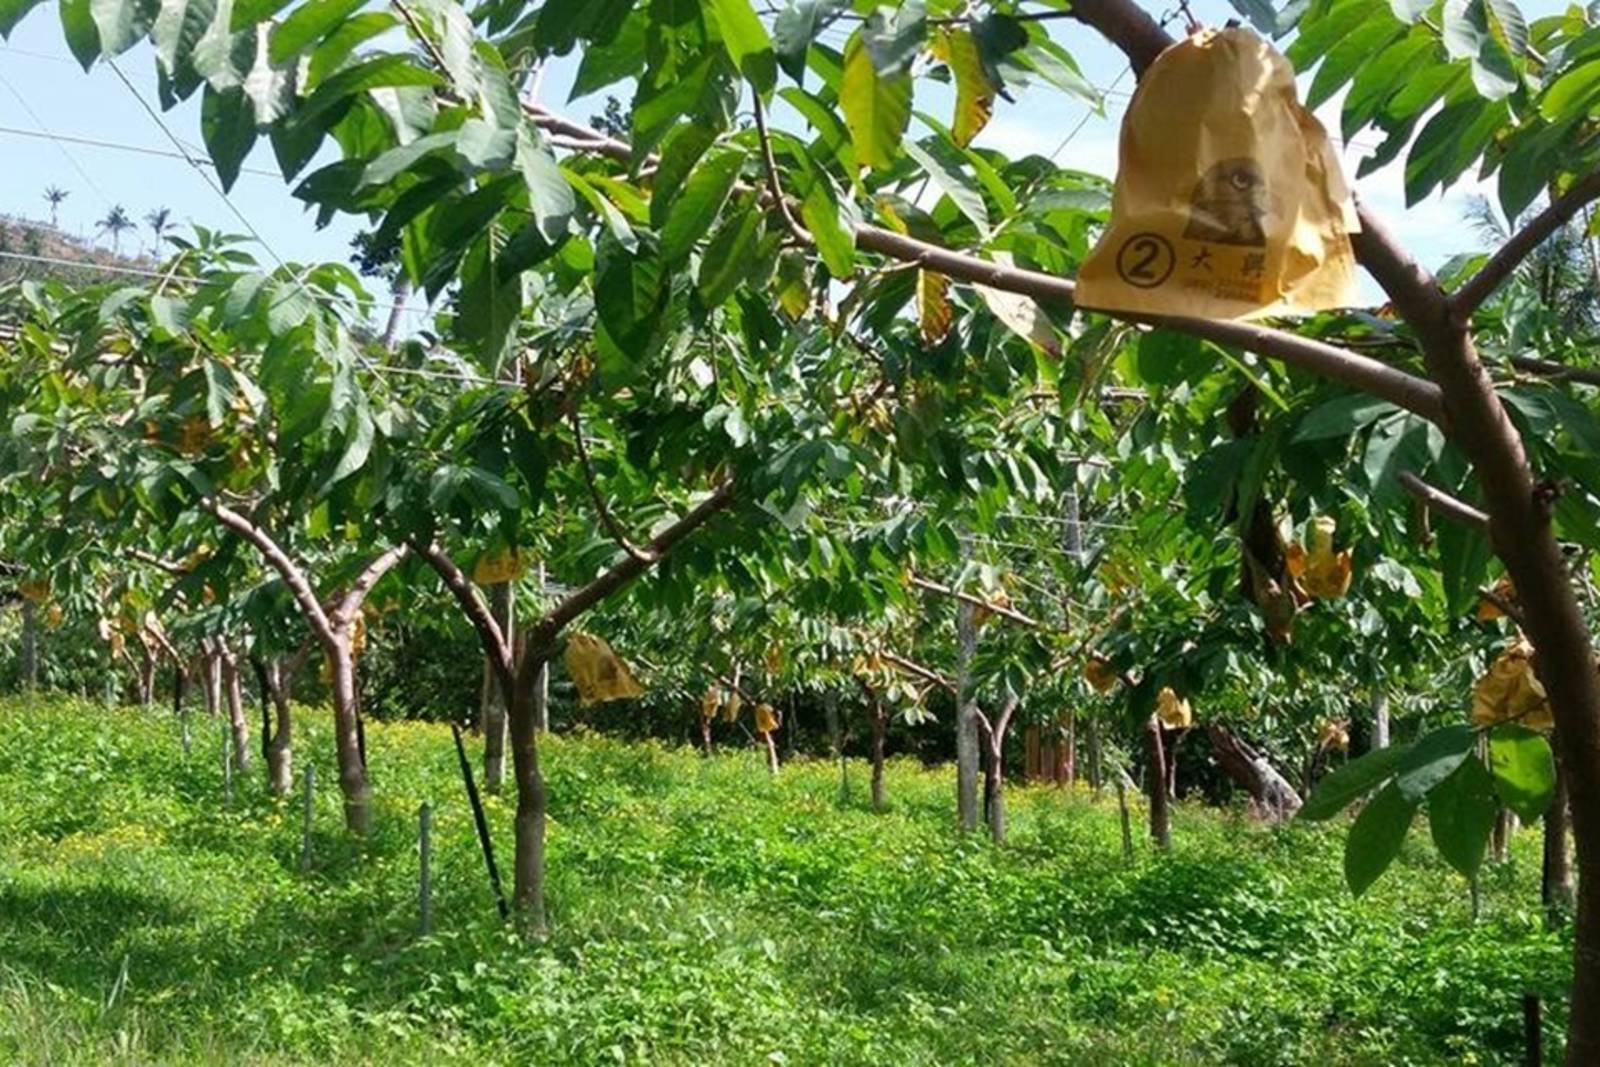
point(1272, 795)
point(994, 793)
point(278, 747)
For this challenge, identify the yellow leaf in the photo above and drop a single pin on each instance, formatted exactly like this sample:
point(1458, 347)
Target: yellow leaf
point(933, 306)
point(1098, 672)
point(974, 92)
point(1488, 610)
point(876, 109)
point(1511, 691)
point(1020, 314)
point(1327, 573)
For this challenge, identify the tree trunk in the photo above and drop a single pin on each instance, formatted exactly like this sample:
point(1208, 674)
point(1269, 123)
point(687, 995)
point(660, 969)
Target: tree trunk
point(830, 704)
point(211, 678)
point(238, 721)
point(705, 735)
point(1380, 717)
point(147, 675)
point(1156, 782)
point(279, 748)
point(1067, 752)
point(1096, 756)
point(1556, 883)
point(880, 730)
point(994, 793)
point(1170, 740)
point(1505, 825)
point(347, 740)
point(541, 681)
point(966, 721)
point(528, 864)
point(493, 704)
point(772, 751)
point(391, 329)
point(1271, 794)
point(30, 645)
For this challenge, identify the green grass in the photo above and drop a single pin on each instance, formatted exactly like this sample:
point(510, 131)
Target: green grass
point(705, 913)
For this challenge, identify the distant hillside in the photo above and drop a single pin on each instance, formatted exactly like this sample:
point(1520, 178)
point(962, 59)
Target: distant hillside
point(31, 249)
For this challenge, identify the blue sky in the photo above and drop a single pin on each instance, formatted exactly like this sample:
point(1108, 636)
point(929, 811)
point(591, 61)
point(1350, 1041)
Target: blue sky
point(41, 86)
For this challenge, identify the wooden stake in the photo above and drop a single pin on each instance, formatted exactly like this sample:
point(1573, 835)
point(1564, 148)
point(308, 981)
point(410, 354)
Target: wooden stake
point(305, 822)
point(425, 867)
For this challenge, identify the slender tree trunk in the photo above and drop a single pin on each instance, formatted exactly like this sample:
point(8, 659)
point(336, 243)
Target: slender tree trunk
point(493, 709)
point(1156, 779)
point(30, 645)
point(1067, 753)
point(1556, 883)
point(966, 721)
point(1096, 758)
point(1380, 717)
point(347, 740)
point(147, 675)
point(238, 721)
point(541, 680)
point(279, 753)
point(994, 793)
point(880, 731)
point(705, 735)
point(772, 751)
point(1505, 826)
point(211, 678)
point(528, 863)
point(391, 328)
point(1274, 798)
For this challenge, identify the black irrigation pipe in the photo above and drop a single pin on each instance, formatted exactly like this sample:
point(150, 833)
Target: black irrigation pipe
point(484, 840)
point(266, 721)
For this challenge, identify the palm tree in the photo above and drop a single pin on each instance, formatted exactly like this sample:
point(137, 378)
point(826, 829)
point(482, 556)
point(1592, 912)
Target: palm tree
point(115, 222)
point(1563, 272)
point(159, 221)
point(55, 194)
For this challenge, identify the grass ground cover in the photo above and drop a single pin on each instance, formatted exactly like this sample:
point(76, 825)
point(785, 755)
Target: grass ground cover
point(705, 912)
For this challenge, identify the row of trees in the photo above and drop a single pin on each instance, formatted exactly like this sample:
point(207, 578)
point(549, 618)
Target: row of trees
point(783, 372)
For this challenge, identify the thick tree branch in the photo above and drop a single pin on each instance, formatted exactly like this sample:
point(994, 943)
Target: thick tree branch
point(292, 575)
point(350, 601)
point(477, 612)
point(775, 187)
point(912, 667)
point(608, 520)
point(1507, 608)
point(1556, 372)
point(1478, 288)
point(1007, 710)
point(1445, 504)
point(978, 602)
point(543, 633)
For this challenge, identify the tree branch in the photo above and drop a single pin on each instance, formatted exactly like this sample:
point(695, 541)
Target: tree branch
point(1556, 372)
point(477, 612)
point(776, 187)
point(1507, 608)
point(1008, 709)
point(174, 569)
point(608, 520)
point(279, 560)
point(351, 600)
point(978, 602)
point(544, 632)
point(912, 667)
point(1478, 288)
point(1445, 504)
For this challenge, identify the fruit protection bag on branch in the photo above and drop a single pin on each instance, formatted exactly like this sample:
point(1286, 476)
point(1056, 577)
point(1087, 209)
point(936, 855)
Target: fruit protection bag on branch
point(1229, 201)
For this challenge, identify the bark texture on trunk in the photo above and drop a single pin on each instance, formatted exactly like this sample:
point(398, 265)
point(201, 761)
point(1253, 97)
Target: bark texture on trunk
point(527, 895)
point(994, 793)
point(147, 675)
point(1556, 882)
point(238, 720)
point(1270, 793)
point(966, 721)
point(493, 708)
point(1156, 780)
point(1380, 717)
point(347, 739)
point(278, 752)
point(1096, 756)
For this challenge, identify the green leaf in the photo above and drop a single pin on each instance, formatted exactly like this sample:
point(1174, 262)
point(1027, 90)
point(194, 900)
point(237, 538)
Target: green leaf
point(1260, 13)
point(877, 108)
point(1461, 814)
point(220, 391)
point(1432, 760)
point(490, 301)
point(228, 127)
point(1464, 555)
point(1571, 94)
point(696, 208)
point(823, 216)
point(306, 25)
point(1349, 56)
point(893, 37)
point(1358, 777)
point(1375, 837)
point(1341, 417)
point(121, 23)
point(747, 43)
point(795, 28)
point(943, 165)
point(375, 73)
point(681, 149)
point(550, 197)
point(357, 443)
point(729, 255)
point(12, 12)
point(1524, 769)
point(78, 25)
point(607, 64)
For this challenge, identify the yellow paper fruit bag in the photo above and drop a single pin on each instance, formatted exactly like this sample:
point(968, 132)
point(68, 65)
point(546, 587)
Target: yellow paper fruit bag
point(1100, 674)
point(766, 719)
point(1512, 691)
point(1173, 710)
point(1229, 201)
point(1324, 573)
point(597, 672)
